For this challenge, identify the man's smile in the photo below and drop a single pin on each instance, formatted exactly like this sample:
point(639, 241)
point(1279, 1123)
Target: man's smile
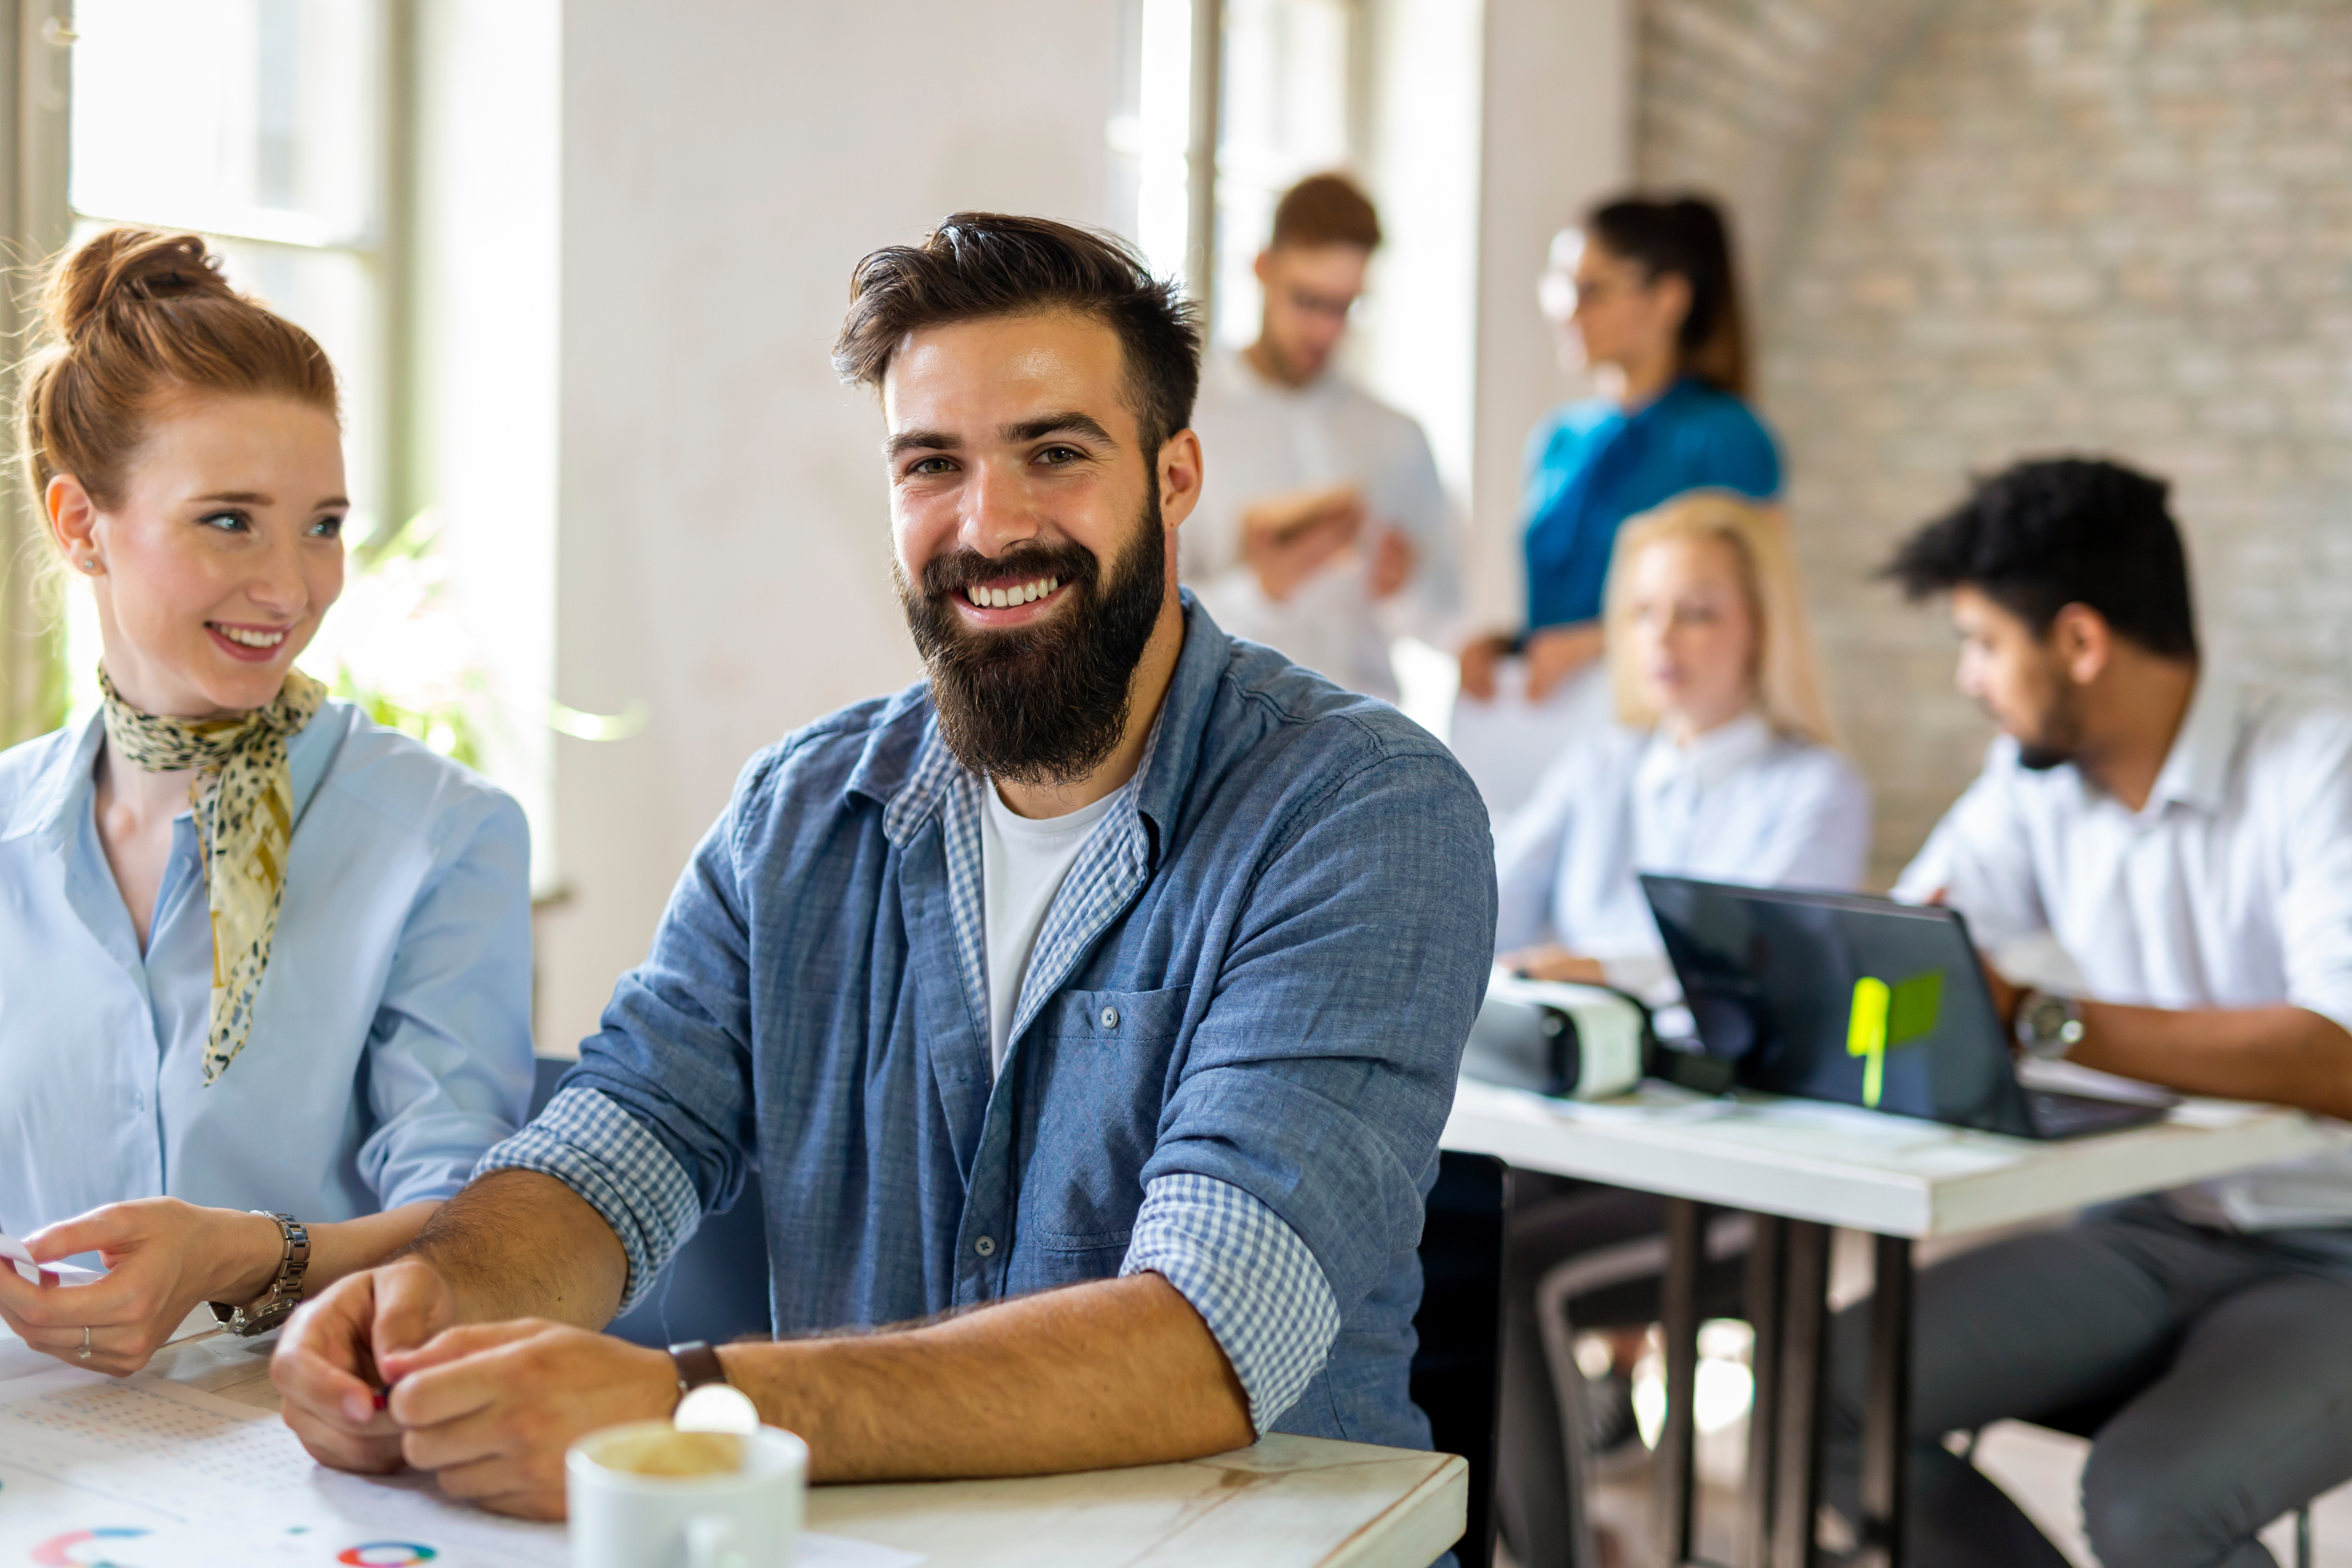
point(1009, 600)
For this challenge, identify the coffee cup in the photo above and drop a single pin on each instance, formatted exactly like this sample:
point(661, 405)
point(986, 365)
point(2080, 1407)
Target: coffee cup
point(647, 1495)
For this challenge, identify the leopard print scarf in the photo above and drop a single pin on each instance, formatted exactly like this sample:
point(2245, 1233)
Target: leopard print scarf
point(243, 797)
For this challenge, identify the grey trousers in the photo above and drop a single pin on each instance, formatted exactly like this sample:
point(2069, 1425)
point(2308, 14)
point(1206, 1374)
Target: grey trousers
point(2212, 1372)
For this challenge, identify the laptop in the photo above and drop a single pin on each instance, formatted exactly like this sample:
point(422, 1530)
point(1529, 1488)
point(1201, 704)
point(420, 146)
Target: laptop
point(1860, 1000)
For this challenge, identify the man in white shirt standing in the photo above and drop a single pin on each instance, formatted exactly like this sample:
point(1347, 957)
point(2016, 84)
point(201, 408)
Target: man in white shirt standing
point(2188, 841)
point(1322, 528)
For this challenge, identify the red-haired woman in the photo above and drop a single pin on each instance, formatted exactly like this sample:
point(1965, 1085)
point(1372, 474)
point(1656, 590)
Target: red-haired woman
point(264, 966)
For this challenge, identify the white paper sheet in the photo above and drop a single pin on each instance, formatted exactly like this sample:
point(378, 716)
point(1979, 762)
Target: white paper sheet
point(150, 1474)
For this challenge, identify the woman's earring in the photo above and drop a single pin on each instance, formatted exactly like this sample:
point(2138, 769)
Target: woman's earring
point(89, 564)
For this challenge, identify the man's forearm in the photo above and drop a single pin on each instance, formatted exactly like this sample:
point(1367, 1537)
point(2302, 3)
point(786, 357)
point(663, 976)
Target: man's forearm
point(1121, 1371)
point(517, 1244)
point(2284, 1054)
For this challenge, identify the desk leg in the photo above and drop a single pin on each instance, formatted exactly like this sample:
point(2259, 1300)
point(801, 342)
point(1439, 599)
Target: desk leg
point(1762, 1291)
point(1887, 1415)
point(1803, 1377)
point(1676, 1496)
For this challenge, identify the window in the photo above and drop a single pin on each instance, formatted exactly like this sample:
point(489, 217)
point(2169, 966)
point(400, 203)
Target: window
point(263, 125)
point(1283, 80)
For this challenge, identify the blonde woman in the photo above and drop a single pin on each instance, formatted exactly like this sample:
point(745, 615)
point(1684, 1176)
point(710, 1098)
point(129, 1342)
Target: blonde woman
point(265, 968)
point(1721, 763)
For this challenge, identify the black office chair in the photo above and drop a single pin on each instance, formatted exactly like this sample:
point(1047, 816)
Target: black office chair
point(716, 1288)
point(1457, 1371)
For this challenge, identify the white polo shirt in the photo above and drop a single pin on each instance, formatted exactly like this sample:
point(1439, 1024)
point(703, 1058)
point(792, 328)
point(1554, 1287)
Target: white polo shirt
point(1259, 440)
point(2231, 888)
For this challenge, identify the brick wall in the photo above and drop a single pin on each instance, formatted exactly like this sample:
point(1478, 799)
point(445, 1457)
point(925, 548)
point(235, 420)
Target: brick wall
point(2113, 225)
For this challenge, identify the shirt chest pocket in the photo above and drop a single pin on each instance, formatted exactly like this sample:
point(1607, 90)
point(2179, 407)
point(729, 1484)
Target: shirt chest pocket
point(1099, 1084)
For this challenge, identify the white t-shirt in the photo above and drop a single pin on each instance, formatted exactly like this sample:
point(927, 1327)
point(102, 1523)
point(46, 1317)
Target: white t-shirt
point(1023, 863)
point(2230, 887)
point(1259, 440)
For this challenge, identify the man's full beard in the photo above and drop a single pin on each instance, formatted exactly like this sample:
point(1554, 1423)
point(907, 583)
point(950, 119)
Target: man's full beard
point(1046, 703)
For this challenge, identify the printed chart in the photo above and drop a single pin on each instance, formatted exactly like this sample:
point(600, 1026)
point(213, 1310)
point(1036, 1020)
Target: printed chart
point(147, 1473)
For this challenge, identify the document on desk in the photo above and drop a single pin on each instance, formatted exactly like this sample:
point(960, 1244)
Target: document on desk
point(151, 1474)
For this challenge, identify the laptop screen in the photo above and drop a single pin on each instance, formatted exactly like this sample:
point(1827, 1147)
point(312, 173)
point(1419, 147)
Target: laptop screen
point(1841, 997)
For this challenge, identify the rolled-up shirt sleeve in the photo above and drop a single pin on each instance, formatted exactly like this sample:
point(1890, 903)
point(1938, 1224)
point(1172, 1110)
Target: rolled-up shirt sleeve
point(620, 1170)
point(1321, 1076)
point(1254, 1283)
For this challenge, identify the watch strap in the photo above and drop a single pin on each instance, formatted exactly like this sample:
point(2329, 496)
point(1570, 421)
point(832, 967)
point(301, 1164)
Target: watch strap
point(698, 1364)
point(275, 1305)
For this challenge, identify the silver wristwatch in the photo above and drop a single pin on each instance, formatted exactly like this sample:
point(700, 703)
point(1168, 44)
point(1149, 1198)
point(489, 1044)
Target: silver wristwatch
point(2048, 1024)
point(277, 1304)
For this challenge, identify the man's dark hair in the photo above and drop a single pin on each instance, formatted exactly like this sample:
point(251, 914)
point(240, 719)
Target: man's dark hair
point(978, 265)
point(2052, 532)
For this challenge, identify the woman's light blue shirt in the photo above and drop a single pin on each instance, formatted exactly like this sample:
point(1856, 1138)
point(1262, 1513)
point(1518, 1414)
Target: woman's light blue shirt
point(1740, 803)
point(1590, 466)
point(391, 1042)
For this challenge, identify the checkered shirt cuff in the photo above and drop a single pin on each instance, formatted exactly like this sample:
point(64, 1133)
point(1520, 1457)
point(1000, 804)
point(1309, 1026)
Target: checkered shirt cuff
point(1249, 1275)
point(599, 1151)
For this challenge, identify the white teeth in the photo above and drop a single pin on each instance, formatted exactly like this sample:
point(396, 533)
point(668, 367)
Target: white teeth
point(251, 639)
point(1027, 593)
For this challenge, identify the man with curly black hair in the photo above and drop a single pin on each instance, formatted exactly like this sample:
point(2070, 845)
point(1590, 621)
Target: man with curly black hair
point(2187, 839)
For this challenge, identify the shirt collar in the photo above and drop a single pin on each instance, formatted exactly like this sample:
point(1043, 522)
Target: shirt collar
point(912, 788)
point(1708, 760)
point(52, 800)
point(2196, 772)
point(58, 796)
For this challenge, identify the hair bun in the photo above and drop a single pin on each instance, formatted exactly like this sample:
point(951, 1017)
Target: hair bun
point(120, 268)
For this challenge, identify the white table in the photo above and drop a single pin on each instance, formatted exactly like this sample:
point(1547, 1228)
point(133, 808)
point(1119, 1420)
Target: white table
point(1803, 1167)
point(1284, 1502)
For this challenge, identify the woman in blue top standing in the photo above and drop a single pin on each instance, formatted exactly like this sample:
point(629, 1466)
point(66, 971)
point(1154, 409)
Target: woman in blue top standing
point(265, 968)
point(1647, 295)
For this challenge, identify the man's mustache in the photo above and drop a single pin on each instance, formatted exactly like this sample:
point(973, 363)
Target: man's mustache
point(958, 569)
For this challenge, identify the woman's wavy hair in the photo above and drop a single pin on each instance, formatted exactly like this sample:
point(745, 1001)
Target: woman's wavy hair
point(1787, 676)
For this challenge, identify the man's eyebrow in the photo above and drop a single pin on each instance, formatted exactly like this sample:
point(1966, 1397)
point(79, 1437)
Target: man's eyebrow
point(1072, 423)
point(922, 440)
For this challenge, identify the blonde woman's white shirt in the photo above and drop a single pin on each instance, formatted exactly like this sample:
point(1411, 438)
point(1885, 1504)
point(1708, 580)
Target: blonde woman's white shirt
point(1260, 441)
point(2230, 887)
point(390, 1041)
point(1740, 803)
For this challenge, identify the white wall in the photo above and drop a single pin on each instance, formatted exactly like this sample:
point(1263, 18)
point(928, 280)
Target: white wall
point(1558, 134)
point(724, 544)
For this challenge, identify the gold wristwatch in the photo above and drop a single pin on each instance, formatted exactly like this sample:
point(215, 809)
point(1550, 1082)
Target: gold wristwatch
point(275, 1305)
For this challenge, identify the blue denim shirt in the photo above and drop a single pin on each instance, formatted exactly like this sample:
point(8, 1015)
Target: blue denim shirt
point(1272, 991)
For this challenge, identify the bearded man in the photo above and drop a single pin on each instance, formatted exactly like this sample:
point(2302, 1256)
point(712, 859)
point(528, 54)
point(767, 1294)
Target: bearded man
point(1093, 1006)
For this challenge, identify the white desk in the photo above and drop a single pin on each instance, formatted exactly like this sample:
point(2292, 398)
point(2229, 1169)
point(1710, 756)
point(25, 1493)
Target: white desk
point(1835, 1164)
point(1284, 1502)
point(1800, 1167)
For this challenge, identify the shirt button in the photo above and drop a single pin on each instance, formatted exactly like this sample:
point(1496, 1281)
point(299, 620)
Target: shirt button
point(985, 1246)
point(1110, 1017)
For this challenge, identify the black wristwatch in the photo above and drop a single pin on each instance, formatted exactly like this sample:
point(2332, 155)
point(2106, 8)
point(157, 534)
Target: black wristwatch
point(277, 1304)
point(698, 1364)
point(2048, 1024)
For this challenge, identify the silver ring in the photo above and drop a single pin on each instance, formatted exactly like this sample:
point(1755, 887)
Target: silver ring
point(85, 1341)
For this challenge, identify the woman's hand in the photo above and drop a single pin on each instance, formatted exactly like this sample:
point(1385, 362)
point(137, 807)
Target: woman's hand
point(1556, 653)
point(163, 1258)
point(1480, 659)
point(1551, 962)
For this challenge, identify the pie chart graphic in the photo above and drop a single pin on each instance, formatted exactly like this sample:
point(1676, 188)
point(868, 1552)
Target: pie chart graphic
point(84, 1548)
point(385, 1554)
